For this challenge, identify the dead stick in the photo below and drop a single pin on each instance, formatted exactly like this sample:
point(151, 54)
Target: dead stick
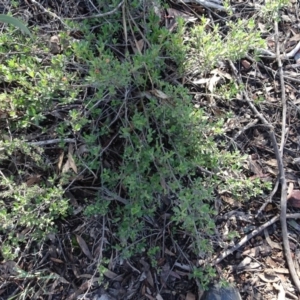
point(99, 15)
point(279, 154)
point(246, 238)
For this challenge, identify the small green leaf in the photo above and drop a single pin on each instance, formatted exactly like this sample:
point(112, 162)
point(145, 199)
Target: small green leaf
point(15, 22)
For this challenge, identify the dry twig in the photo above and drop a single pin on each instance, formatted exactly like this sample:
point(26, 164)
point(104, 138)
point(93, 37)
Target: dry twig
point(286, 246)
point(270, 54)
point(50, 142)
point(246, 238)
point(41, 7)
point(99, 15)
point(208, 4)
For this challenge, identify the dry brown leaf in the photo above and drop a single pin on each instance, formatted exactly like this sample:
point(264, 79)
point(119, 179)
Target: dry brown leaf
point(66, 167)
point(271, 262)
point(255, 166)
point(75, 270)
point(86, 276)
point(221, 73)
point(262, 27)
point(295, 38)
point(172, 13)
point(159, 94)
point(146, 274)
point(278, 270)
point(268, 278)
point(228, 199)
point(63, 280)
point(33, 180)
point(183, 266)
point(245, 262)
point(150, 279)
point(281, 292)
point(272, 162)
point(84, 247)
point(166, 273)
point(269, 207)
point(159, 297)
point(147, 95)
point(54, 284)
point(60, 160)
point(213, 82)
point(190, 296)
point(72, 163)
point(138, 46)
point(290, 189)
point(72, 199)
point(59, 261)
point(143, 276)
point(111, 275)
point(272, 244)
point(167, 251)
point(172, 16)
point(183, 273)
point(149, 297)
point(271, 171)
point(294, 199)
point(88, 284)
point(246, 64)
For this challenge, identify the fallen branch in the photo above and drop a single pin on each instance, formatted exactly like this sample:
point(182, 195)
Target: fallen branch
point(246, 238)
point(270, 54)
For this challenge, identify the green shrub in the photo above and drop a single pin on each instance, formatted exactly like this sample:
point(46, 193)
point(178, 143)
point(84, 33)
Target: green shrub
point(209, 46)
point(141, 132)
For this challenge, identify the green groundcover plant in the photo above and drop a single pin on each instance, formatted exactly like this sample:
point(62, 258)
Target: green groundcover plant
point(141, 132)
